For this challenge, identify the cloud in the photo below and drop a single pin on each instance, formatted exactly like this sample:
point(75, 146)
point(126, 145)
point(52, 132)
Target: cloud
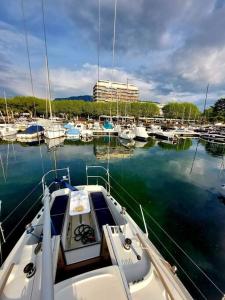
point(170, 49)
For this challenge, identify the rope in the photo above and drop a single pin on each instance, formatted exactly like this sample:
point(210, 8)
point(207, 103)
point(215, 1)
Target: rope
point(171, 239)
point(10, 214)
point(11, 232)
point(161, 243)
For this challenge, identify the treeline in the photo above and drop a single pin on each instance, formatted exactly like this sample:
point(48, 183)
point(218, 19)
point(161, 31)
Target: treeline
point(71, 108)
point(181, 110)
point(38, 107)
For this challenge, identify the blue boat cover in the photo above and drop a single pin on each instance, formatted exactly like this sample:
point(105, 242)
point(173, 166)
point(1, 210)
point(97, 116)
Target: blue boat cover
point(68, 126)
point(33, 129)
point(108, 125)
point(73, 131)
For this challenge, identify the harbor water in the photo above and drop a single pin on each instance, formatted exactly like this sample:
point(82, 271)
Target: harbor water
point(178, 187)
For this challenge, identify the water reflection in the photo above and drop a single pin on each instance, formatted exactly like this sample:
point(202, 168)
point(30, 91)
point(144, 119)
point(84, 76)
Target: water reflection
point(214, 149)
point(181, 145)
point(111, 148)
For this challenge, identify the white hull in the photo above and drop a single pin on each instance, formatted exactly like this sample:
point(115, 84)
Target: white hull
point(24, 136)
point(7, 131)
point(140, 133)
point(127, 134)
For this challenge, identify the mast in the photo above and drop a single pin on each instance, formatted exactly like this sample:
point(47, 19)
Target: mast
point(46, 60)
point(206, 97)
point(6, 107)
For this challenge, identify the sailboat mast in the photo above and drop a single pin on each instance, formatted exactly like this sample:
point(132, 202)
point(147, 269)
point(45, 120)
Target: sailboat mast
point(6, 107)
point(46, 60)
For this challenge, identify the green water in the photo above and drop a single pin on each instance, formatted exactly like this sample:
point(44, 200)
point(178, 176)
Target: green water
point(157, 175)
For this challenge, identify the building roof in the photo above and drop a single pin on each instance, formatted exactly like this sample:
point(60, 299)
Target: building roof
point(107, 83)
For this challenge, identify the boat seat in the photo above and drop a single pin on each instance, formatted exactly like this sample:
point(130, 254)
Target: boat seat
point(57, 213)
point(98, 200)
point(101, 209)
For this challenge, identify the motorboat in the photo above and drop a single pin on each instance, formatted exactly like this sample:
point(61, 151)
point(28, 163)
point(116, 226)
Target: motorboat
point(54, 131)
point(127, 134)
point(72, 133)
point(154, 129)
point(168, 135)
point(140, 133)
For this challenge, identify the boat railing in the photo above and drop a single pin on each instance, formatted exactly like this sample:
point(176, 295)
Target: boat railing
point(66, 176)
point(97, 177)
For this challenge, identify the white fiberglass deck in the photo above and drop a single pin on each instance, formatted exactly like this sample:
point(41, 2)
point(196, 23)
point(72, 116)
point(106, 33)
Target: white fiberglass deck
point(105, 283)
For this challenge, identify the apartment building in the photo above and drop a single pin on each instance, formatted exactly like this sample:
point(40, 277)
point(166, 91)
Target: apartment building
point(105, 90)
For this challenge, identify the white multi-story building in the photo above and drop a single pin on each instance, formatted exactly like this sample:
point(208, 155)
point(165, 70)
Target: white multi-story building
point(105, 90)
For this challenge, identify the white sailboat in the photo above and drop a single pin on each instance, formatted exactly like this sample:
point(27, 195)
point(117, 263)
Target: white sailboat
point(83, 244)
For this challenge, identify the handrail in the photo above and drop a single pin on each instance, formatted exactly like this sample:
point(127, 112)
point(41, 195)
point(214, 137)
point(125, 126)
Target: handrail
point(97, 176)
point(47, 286)
point(51, 171)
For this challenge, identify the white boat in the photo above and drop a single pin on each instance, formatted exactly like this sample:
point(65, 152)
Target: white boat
point(7, 130)
point(127, 134)
point(140, 133)
point(185, 132)
point(154, 129)
point(83, 244)
point(169, 135)
point(54, 131)
point(72, 133)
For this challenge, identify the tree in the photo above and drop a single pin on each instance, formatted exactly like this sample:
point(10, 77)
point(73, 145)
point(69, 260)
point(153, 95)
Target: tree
point(181, 110)
point(219, 107)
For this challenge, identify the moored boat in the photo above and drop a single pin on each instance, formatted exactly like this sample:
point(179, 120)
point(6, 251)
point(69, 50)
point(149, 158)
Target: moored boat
point(33, 132)
point(54, 131)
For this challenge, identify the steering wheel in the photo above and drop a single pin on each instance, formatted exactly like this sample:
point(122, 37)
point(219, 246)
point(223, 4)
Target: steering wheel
point(84, 233)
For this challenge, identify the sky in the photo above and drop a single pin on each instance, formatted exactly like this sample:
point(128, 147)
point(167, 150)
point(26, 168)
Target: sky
point(170, 49)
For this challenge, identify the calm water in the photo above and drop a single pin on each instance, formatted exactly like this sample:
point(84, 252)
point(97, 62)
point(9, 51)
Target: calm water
point(157, 175)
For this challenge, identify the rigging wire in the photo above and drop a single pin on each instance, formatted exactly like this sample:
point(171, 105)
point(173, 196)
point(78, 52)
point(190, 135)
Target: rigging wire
point(161, 243)
point(27, 196)
point(32, 206)
point(170, 238)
